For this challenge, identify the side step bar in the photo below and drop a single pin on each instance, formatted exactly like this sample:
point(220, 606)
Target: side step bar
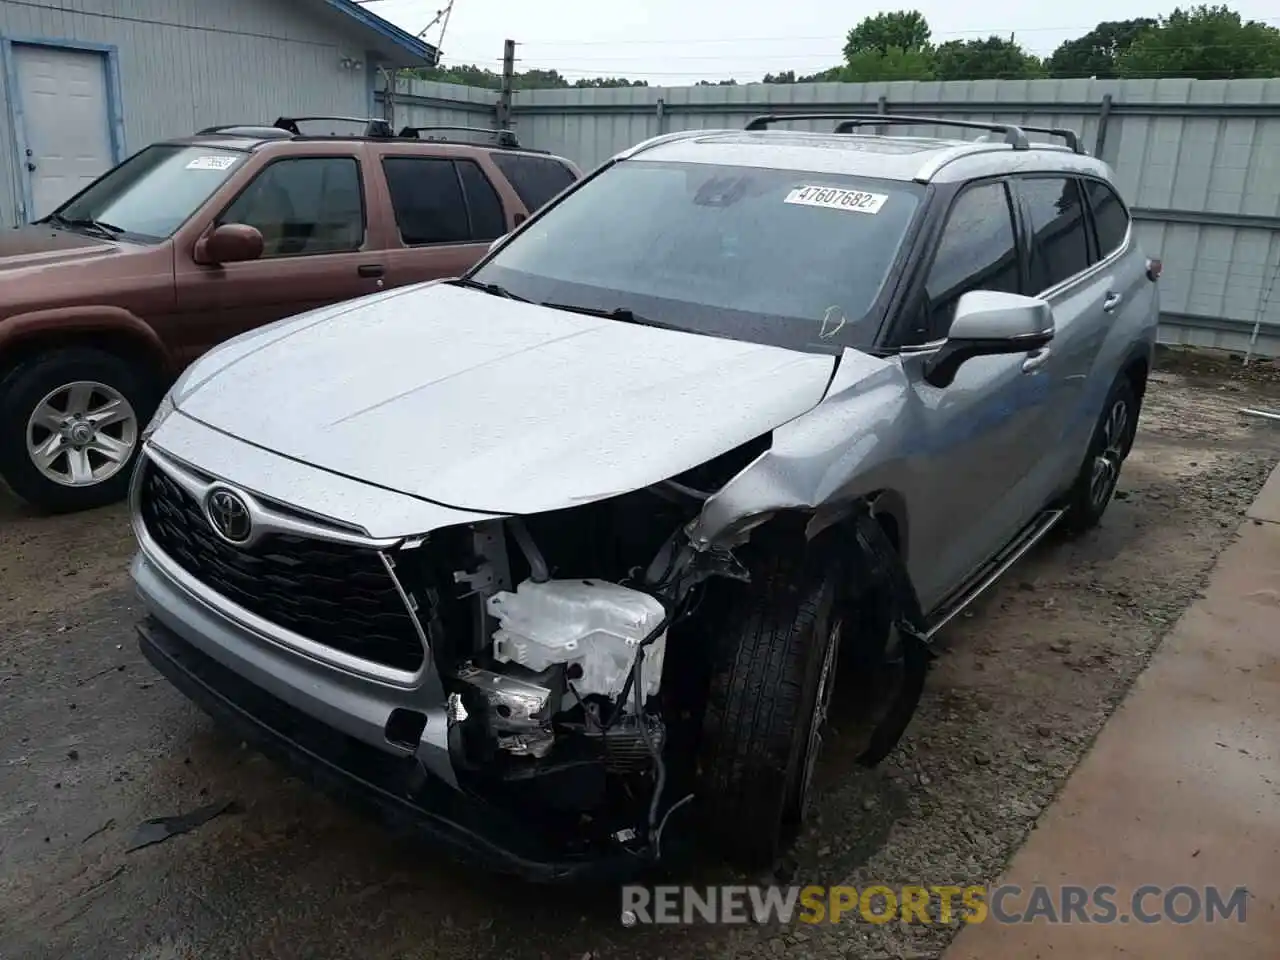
point(994, 569)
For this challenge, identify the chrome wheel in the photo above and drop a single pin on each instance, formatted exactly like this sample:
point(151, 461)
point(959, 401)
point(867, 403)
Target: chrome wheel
point(81, 434)
point(1106, 463)
point(821, 708)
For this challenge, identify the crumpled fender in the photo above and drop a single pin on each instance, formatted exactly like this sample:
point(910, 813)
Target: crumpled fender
point(825, 461)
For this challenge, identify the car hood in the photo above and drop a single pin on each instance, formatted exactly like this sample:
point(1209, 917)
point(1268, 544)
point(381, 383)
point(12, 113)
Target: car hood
point(490, 404)
point(41, 246)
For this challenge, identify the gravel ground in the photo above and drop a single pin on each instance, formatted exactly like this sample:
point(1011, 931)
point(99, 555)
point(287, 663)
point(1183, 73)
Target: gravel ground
point(93, 743)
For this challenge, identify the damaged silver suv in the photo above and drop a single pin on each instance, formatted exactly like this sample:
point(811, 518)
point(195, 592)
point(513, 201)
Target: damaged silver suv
point(564, 562)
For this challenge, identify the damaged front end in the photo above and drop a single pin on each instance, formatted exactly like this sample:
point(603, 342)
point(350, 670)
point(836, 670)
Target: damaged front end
point(571, 647)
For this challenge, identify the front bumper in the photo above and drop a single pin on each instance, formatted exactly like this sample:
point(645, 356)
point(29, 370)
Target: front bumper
point(394, 789)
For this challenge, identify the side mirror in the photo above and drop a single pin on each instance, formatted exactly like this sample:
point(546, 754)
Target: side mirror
point(497, 242)
point(229, 243)
point(988, 323)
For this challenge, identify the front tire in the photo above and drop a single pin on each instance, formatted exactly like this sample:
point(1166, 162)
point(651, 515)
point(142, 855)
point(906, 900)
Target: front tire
point(1099, 475)
point(71, 425)
point(772, 676)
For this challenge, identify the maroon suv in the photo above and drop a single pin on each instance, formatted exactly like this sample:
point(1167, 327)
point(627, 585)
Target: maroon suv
point(198, 239)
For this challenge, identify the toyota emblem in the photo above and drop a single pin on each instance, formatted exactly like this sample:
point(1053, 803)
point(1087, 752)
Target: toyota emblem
point(229, 516)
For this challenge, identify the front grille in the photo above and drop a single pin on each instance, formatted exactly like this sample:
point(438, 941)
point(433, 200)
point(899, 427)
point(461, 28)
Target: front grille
point(331, 593)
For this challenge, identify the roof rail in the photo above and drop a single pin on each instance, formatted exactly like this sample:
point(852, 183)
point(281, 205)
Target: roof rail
point(246, 130)
point(504, 138)
point(1013, 135)
point(374, 128)
point(1071, 138)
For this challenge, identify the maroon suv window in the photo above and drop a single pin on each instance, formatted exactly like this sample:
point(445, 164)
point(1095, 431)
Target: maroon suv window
point(437, 200)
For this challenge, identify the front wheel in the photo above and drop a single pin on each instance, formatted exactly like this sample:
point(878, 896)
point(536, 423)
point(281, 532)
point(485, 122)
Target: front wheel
point(71, 422)
point(772, 678)
point(1099, 475)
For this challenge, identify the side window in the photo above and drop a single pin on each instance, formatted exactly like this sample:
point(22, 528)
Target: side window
point(978, 251)
point(535, 179)
point(1059, 240)
point(304, 206)
point(487, 219)
point(426, 196)
point(1110, 218)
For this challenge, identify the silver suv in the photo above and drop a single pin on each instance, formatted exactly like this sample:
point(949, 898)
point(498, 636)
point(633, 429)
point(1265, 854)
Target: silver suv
point(532, 558)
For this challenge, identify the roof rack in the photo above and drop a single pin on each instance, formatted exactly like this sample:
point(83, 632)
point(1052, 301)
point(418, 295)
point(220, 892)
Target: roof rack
point(246, 130)
point(1014, 134)
point(374, 128)
point(504, 138)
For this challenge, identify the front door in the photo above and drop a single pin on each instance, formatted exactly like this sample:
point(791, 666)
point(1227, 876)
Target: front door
point(65, 122)
point(312, 215)
point(976, 440)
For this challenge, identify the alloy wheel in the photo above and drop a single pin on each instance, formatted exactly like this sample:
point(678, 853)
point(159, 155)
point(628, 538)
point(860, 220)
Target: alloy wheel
point(821, 709)
point(1107, 462)
point(81, 434)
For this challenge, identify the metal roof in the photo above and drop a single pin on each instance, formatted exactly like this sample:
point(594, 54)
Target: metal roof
point(401, 48)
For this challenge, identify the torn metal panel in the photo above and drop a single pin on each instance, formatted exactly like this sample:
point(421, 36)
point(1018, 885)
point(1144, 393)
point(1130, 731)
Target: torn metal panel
point(833, 454)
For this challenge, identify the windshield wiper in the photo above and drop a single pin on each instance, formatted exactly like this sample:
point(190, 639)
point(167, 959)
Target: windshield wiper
point(621, 314)
point(101, 227)
point(490, 288)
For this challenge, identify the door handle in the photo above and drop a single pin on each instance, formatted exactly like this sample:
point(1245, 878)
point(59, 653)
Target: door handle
point(1036, 360)
point(1111, 302)
point(371, 270)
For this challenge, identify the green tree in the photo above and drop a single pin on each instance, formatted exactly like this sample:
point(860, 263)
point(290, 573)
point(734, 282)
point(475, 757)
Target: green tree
point(1095, 53)
point(1204, 43)
point(605, 82)
point(905, 30)
point(894, 63)
point(992, 59)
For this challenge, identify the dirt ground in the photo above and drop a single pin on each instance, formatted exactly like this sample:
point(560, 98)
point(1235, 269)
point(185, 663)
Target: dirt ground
point(92, 743)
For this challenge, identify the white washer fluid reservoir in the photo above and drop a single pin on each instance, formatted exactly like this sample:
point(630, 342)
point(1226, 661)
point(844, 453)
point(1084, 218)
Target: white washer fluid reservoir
point(592, 623)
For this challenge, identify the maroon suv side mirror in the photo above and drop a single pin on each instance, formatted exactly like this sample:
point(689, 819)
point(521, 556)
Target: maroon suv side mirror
point(229, 243)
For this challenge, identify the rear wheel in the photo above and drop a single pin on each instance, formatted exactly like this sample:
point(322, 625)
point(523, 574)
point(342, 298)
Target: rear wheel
point(70, 428)
point(772, 678)
point(1099, 475)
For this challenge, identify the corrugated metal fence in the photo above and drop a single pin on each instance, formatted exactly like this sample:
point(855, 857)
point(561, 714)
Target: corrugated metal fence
point(1199, 160)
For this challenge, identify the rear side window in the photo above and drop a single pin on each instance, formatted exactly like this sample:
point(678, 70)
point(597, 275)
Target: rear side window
point(487, 220)
point(535, 179)
point(1110, 218)
point(426, 196)
point(978, 251)
point(440, 201)
point(304, 206)
point(1059, 239)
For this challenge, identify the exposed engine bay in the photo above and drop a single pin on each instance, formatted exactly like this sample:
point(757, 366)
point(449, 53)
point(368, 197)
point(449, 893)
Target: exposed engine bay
point(572, 648)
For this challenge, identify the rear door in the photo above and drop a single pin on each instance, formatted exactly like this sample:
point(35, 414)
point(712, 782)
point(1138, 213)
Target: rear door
point(446, 214)
point(312, 213)
point(1065, 271)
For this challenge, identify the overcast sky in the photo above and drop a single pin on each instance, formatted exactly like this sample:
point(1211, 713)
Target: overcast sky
point(673, 42)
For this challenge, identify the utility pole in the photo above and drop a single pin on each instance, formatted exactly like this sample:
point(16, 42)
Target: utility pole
point(508, 78)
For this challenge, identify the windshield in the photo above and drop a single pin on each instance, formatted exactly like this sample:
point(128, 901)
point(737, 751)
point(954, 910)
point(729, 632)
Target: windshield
point(781, 257)
point(151, 194)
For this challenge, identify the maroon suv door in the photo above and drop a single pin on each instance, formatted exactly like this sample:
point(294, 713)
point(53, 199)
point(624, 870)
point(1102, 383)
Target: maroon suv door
point(319, 248)
point(446, 210)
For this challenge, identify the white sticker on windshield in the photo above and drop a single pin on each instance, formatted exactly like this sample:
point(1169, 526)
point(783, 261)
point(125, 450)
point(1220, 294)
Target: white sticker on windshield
point(211, 163)
point(837, 198)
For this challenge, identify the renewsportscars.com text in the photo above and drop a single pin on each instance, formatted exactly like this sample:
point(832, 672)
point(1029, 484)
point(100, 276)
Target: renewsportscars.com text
point(1150, 903)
